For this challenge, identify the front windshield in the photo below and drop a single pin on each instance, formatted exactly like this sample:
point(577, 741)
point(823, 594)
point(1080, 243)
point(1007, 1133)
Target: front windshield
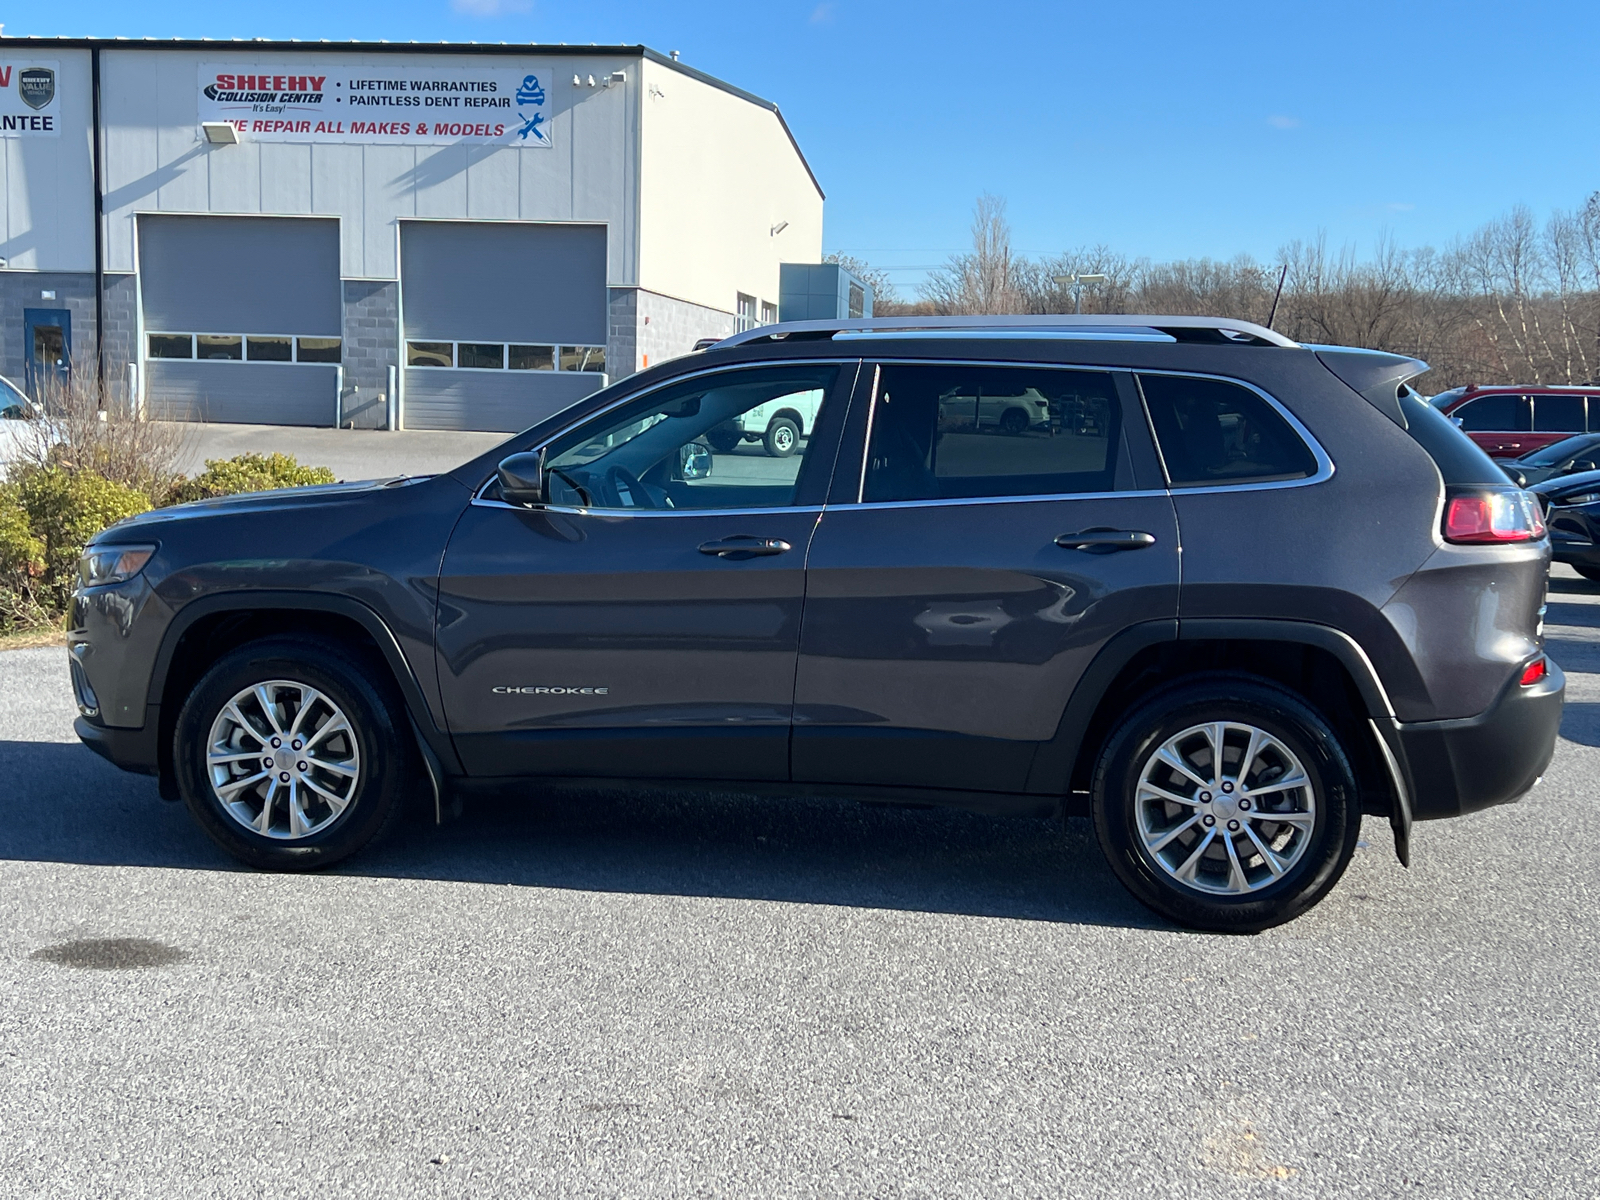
point(1557, 453)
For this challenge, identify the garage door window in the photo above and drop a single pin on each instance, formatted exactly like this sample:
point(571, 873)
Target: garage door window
point(234, 347)
point(531, 358)
point(494, 356)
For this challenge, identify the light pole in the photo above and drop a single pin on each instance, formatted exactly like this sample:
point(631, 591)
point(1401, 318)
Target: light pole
point(1076, 282)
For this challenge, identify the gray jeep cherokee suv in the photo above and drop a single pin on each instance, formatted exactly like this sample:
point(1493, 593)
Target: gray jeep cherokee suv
point(1226, 595)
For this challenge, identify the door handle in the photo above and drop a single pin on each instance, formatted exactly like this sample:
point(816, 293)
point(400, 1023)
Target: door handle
point(1106, 541)
point(742, 546)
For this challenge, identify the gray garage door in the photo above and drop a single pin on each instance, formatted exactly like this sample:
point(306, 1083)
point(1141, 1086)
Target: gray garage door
point(242, 318)
point(505, 322)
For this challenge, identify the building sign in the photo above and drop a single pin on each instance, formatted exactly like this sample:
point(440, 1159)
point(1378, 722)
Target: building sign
point(385, 106)
point(30, 98)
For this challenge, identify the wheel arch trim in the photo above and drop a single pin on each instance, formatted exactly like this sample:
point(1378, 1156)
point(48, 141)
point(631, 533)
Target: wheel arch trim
point(434, 741)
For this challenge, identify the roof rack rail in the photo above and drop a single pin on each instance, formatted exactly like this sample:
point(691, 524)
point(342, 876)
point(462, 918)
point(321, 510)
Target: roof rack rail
point(1221, 330)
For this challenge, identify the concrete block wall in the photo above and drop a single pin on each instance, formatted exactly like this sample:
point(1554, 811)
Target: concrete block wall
point(371, 347)
point(622, 332)
point(669, 327)
point(121, 331)
point(21, 290)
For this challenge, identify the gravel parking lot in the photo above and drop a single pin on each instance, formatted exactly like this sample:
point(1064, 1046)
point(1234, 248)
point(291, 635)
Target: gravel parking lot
point(648, 995)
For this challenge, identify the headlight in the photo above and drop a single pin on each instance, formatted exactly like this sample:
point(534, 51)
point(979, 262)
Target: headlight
point(101, 565)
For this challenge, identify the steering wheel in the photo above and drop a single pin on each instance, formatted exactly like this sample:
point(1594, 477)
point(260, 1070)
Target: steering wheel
point(628, 492)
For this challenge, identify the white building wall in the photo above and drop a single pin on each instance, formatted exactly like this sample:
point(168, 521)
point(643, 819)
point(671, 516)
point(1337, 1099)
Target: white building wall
point(718, 174)
point(157, 161)
point(47, 183)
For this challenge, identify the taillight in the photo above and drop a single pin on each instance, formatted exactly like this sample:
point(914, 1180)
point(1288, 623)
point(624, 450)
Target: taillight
point(1534, 671)
point(1477, 517)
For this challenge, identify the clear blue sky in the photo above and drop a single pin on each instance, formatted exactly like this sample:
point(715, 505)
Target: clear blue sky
point(1161, 129)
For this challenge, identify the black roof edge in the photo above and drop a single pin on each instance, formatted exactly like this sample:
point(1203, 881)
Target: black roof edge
point(298, 46)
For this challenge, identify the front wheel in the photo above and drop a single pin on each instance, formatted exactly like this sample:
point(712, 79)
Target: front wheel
point(783, 435)
point(289, 756)
point(1227, 804)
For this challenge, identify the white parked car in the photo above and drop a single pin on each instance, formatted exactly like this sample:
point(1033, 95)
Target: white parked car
point(778, 425)
point(1008, 414)
point(22, 425)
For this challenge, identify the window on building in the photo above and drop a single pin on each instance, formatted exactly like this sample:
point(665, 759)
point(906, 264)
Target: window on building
point(744, 313)
point(769, 313)
point(318, 350)
point(858, 300)
point(532, 358)
point(481, 355)
point(269, 349)
point(1214, 432)
point(583, 358)
point(430, 354)
point(942, 432)
point(227, 346)
point(171, 345)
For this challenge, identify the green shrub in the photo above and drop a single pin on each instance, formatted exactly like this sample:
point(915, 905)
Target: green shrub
point(64, 509)
point(21, 565)
point(247, 473)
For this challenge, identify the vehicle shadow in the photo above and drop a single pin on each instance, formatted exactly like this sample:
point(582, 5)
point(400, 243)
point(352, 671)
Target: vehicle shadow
point(67, 805)
point(1580, 722)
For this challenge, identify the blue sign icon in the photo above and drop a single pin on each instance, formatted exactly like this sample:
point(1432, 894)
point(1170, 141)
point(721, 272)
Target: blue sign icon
point(530, 92)
point(531, 125)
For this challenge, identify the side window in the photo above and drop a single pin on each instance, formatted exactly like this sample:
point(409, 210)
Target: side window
point(1214, 432)
point(943, 432)
point(1495, 414)
point(738, 439)
point(1558, 414)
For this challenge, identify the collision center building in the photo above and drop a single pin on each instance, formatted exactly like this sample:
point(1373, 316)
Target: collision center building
point(444, 236)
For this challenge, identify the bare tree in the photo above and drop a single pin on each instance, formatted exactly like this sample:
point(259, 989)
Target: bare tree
point(984, 279)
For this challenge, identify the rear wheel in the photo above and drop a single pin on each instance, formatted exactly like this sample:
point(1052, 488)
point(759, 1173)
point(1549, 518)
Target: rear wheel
point(288, 757)
point(725, 439)
point(1013, 421)
point(1588, 572)
point(1227, 804)
point(783, 435)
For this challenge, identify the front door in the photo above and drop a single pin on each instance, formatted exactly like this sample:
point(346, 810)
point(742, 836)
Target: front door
point(1009, 521)
point(646, 621)
point(47, 350)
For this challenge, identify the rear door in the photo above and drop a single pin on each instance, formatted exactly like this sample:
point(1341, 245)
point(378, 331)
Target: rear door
point(1501, 424)
point(968, 569)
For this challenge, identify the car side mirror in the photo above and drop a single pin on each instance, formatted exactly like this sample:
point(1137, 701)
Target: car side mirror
point(1581, 464)
point(694, 460)
point(522, 478)
point(1457, 422)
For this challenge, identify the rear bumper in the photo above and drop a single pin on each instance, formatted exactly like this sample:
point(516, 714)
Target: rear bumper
point(131, 749)
point(1462, 766)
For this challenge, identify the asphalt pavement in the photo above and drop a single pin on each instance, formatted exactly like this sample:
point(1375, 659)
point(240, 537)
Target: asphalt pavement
point(651, 995)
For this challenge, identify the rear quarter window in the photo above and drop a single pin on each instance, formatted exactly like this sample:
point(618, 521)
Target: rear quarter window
point(1212, 432)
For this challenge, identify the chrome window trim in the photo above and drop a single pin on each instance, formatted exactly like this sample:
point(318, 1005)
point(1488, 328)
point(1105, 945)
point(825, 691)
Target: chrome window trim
point(1325, 468)
point(565, 510)
point(477, 493)
point(1032, 498)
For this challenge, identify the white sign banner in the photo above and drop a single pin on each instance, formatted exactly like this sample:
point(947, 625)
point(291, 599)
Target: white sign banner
point(30, 98)
point(391, 105)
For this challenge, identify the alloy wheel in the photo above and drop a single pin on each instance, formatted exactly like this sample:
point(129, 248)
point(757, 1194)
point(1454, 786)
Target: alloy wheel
point(283, 760)
point(1224, 808)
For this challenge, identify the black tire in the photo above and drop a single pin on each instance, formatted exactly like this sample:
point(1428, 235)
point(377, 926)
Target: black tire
point(389, 762)
point(725, 440)
point(1014, 421)
point(782, 437)
point(1588, 572)
point(1273, 710)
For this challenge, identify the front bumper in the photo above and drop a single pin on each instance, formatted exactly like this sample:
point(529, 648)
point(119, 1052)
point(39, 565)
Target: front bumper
point(131, 749)
point(1462, 766)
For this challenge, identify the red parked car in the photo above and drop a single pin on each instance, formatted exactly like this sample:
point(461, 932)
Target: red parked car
point(1513, 420)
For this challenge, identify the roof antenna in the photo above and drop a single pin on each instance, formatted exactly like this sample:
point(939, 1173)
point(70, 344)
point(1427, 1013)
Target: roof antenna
point(1273, 315)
